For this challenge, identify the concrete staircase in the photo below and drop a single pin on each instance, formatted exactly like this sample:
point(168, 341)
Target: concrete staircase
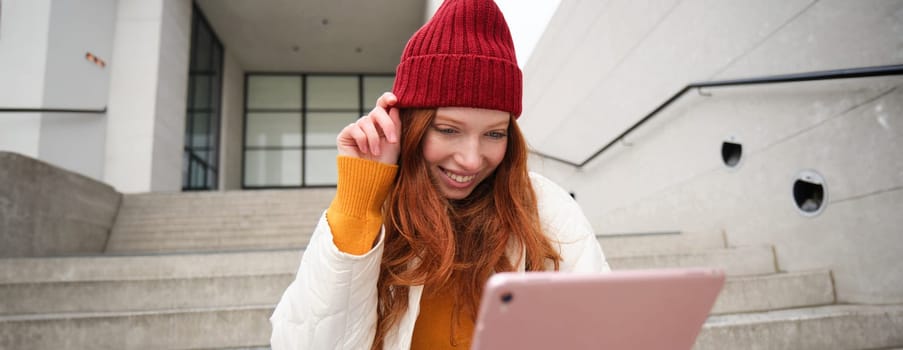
point(179, 271)
point(762, 307)
point(217, 221)
point(204, 270)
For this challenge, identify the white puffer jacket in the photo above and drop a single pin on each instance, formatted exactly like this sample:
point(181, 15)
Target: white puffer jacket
point(332, 302)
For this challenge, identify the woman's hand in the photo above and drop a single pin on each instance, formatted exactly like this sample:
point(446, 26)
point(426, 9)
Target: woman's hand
point(374, 136)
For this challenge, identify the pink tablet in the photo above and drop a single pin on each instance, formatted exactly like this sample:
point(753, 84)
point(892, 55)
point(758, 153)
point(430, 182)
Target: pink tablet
point(636, 310)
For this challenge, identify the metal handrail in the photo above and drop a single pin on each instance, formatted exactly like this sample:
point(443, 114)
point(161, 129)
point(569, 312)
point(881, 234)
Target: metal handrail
point(863, 72)
point(53, 110)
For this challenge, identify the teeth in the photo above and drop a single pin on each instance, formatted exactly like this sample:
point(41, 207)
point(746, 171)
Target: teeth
point(459, 178)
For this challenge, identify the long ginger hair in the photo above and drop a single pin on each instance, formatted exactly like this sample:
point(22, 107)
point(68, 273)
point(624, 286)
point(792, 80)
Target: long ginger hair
point(454, 244)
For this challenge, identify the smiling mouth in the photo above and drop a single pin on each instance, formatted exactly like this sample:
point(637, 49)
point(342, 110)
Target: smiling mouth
point(458, 178)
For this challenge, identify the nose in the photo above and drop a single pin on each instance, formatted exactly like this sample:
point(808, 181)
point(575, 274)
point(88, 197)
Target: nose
point(468, 155)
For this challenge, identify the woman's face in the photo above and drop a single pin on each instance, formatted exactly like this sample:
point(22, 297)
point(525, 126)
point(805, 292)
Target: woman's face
point(463, 147)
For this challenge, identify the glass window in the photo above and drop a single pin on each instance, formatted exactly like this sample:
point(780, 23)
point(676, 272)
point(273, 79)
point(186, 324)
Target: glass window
point(203, 47)
point(273, 130)
point(201, 143)
point(319, 166)
point(288, 144)
point(323, 128)
point(274, 92)
point(375, 86)
point(333, 92)
point(200, 130)
point(272, 168)
point(202, 90)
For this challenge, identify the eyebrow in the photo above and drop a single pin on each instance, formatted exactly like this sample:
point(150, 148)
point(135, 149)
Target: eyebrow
point(442, 118)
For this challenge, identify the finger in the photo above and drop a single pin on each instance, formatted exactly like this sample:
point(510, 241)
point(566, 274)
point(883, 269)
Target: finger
point(366, 124)
point(385, 124)
point(386, 100)
point(396, 123)
point(345, 137)
point(360, 138)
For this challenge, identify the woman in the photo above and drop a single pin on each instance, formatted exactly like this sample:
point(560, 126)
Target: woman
point(433, 197)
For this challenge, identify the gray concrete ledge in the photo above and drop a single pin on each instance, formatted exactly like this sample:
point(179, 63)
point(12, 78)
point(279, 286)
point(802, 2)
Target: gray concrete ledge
point(47, 211)
point(835, 327)
point(734, 261)
point(246, 326)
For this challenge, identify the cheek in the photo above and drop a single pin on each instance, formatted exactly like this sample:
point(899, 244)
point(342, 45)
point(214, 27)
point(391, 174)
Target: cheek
point(495, 154)
point(432, 150)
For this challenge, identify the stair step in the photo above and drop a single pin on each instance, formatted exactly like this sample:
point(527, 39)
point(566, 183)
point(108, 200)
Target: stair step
point(741, 294)
point(142, 295)
point(191, 243)
point(259, 195)
point(840, 327)
point(226, 200)
point(658, 243)
point(734, 261)
point(190, 206)
point(143, 213)
point(217, 221)
point(144, 267)
point(109, 283)
point(775, 291)
point(119, 283)
point(232, 218)
point(211, 228)
point(246, 326)
point(824, 328)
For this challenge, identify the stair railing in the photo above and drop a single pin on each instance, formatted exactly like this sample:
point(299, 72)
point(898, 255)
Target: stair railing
point(54, 110)
point(863, 72)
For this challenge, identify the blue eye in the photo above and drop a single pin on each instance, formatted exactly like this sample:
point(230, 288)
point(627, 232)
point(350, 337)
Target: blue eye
point(496, 134)
point(444, 130)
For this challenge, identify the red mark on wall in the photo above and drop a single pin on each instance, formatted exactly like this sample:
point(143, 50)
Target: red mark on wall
point(94, 59)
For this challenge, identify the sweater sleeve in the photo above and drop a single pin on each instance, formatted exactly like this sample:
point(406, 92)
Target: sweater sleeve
point(355, 215)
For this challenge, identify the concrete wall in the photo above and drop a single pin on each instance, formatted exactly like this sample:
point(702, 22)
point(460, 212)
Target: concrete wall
point(232, 123)
point(48, 211)
point(147, 99)
point(23, 50)
point(603, 65)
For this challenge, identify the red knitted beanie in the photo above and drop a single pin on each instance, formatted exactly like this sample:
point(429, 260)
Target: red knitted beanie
point(462, 57)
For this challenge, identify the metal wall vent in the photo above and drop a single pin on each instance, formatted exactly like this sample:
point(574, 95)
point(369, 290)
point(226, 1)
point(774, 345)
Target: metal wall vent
point(809, 193)
point(731, 153)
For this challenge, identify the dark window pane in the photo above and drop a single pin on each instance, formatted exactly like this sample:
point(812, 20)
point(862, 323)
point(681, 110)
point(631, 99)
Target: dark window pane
point(203, 49)
point(202, 91)
point(200, 134)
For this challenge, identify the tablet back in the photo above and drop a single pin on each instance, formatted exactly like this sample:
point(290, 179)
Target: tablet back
point(637, 310)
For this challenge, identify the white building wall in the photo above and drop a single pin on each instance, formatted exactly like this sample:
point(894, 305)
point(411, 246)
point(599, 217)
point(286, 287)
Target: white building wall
point(23, 50)
point(147, 101)
point(77, 141)
point(601, 66)
point(171, 96)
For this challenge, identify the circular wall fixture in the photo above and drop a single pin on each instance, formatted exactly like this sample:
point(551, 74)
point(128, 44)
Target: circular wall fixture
point(809, 193)
point(731, 152)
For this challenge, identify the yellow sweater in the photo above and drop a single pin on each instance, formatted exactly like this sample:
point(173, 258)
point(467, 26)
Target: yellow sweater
point(355, 218)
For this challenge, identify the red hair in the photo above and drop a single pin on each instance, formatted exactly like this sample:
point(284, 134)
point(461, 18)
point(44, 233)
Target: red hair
point(454, 244)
